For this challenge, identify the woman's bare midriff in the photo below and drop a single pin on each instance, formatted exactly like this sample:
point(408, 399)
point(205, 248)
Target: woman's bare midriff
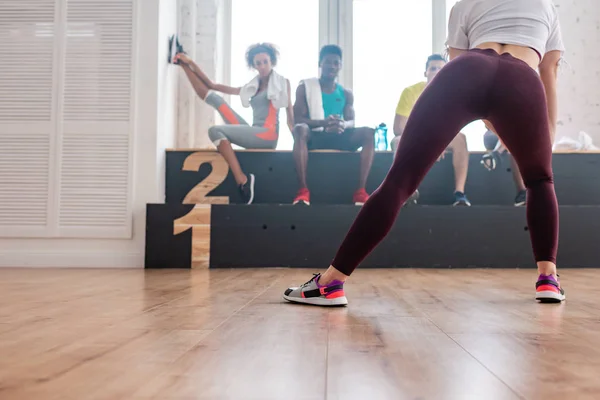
point(526, 54)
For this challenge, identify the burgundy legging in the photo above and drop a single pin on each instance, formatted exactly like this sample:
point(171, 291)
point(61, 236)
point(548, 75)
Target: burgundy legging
point(480, 84)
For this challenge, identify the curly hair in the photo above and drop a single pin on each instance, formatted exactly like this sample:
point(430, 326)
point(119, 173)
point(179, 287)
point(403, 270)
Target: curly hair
point(258, 48)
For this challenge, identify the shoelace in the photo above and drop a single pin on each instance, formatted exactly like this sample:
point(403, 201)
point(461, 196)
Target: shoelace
point(311, 280)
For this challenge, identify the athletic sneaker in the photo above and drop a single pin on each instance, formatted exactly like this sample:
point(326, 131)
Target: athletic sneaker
point(521, 198)
point(548, 290)
point(247, 190)
point(179, 46)
point(302, 197)
point(172, 50)
point(311, 292)
point(412, 200)
point(360, 197)
point(460, 199)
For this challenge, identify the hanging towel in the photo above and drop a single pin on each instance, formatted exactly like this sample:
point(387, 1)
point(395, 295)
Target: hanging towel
point(277, 90)
point(314, 99)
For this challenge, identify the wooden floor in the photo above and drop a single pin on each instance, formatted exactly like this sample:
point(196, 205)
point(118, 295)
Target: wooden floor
point(406, 334)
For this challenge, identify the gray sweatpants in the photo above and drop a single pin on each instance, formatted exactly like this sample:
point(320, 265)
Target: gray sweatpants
point(237, 131)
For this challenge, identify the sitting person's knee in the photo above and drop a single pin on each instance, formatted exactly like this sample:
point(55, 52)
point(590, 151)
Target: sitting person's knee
point(301, 132)
point(214, 134)
point(459, 143)
point(394, 143)
point(367, 134)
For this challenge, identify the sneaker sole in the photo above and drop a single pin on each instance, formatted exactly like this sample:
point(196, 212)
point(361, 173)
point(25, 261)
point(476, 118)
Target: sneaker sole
point(461, 203)
point(301, 202)
point(520, 204)
point(251, 189)
point(318, 301)
point(549, 297)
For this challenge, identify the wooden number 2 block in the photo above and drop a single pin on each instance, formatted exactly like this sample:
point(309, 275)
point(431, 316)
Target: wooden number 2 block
point(198, 195)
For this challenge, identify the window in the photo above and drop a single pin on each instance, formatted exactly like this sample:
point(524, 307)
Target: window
point(292, 25)
point(392, 40)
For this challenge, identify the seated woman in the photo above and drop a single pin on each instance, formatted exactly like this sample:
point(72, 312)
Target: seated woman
point(266, 94)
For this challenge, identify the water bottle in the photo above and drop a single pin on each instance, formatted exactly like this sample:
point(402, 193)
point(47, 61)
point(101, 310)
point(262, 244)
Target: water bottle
point(381, 142)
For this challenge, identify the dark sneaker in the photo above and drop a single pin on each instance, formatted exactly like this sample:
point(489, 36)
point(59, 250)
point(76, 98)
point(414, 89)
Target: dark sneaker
point(412, 200)
point(548, 290)
point(311, 292)
point(247, 190)
point(521, 198)
point(460, 199)
point(179, 46)
point(172, 50)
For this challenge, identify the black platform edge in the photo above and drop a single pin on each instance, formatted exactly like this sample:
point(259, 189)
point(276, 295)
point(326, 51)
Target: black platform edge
point(163, 248)
point(260, 236)
point(332, 178)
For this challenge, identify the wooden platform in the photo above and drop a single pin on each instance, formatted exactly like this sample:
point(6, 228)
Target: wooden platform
point(226, 334)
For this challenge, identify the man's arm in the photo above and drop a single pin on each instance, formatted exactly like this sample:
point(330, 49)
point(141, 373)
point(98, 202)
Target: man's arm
point(349, 113)
point(548, 74)
point(399, 124)
point(403, 108)
point(301, 114)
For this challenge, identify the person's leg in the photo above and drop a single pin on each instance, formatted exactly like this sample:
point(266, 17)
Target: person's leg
point(521, 198)
point(460, 161)
point(199, 86)
point(244, 136)
point(455, 98)
point(210, 97)
point(394, 143)
point(363, 137)
point(414, 198)
point(301, 135)
point(191, 65)
point(522, 124)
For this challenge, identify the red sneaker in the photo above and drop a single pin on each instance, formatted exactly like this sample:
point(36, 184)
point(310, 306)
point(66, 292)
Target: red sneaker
point(360, 197)
point(303, 196)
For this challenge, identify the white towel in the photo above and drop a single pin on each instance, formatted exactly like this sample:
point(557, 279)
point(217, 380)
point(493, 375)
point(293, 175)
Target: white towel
point(314, 99)
point(277, 90)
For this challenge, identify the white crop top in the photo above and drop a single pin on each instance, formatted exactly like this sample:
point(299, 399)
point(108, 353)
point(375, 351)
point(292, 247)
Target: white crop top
point(529, 23)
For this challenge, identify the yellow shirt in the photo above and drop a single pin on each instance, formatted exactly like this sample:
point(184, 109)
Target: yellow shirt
point(409, 98)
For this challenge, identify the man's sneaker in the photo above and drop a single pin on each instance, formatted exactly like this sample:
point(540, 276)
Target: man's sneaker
point(412, 200)
point(548, 290)
point(521, 198)
point(360, 197)
point(460, 199)
point(313, 293)
point(302, 197)
point(247, 190)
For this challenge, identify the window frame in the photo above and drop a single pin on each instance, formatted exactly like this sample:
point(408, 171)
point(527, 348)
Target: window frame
point(335, 27)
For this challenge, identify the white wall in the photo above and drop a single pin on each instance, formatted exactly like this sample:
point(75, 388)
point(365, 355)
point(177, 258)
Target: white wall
point(198, 35)
point(167, 91)
point(579, 82)
point(154, 130)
